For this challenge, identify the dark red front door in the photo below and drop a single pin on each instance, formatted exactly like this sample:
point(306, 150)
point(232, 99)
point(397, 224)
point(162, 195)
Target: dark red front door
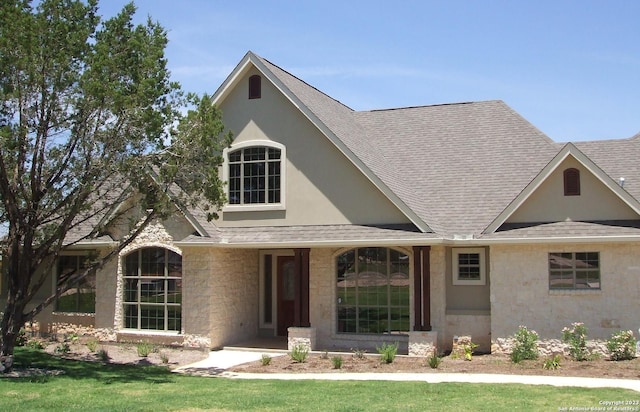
point(286, 293)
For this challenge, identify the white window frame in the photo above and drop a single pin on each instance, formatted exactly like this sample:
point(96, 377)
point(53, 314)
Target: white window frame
point(455, 271)
point(256, 206)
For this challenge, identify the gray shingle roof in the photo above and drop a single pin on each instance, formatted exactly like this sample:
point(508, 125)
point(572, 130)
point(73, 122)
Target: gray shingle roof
point(617, 158)
point(569, 229)
point(298, 236)
point(456, 166)
point(465, 161)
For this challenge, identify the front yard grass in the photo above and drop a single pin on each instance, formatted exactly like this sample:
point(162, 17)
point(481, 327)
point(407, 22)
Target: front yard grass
point(89, 386)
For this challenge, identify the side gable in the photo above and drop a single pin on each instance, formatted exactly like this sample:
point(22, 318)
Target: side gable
point(602, 198)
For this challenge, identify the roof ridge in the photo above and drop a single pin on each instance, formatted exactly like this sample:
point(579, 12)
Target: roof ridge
point(427, 105)
point(302, 81)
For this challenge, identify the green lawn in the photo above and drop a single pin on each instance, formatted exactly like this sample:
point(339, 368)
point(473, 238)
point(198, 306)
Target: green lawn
point(89, 386)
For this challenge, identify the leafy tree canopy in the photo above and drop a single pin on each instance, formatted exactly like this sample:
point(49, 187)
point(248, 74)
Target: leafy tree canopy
point(88, 118)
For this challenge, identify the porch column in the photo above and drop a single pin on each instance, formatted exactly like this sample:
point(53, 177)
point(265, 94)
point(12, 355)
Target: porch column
point(422, 288)
point(301, 312)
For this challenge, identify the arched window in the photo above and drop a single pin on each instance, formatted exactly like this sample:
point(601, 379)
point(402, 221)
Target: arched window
point(153, 290)
point(372, 291)
point(254, 175)
point(572, 182)
point(255, 87)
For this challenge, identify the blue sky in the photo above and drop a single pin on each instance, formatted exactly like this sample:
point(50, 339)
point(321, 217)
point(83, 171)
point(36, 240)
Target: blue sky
point(572, 68)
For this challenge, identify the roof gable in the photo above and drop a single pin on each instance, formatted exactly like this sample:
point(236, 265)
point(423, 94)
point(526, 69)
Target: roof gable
point(336, 122)
point(569, 151)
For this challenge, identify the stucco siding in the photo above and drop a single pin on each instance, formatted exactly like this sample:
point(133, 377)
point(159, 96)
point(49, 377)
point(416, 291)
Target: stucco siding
point(322, 185)
point(520, 292)
point(595, 202)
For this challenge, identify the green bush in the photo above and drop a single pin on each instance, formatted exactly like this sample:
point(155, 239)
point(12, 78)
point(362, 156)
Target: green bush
point(92, 344)
point(337, 362)
point(434, 360)
point(622, 345)
point(22, 339)
point(387, 352)
point(299, 353)
point(265, 359)
point(144, 349)
point(525, 345)
point(576, 337)
point(35, 344)
point(552, 363)
point(62, 349)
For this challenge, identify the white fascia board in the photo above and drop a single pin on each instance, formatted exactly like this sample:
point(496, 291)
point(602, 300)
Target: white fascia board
point(416, 242)
point(231, 80)
point(312, 244)
point(567, 239)
point(567, 150)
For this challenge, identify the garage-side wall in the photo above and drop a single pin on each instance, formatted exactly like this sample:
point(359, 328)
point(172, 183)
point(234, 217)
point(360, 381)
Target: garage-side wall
point(520, 292)
point(220, 295)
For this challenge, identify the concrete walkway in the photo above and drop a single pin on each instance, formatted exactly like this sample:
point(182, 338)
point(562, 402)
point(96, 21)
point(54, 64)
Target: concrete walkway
point(219, 361)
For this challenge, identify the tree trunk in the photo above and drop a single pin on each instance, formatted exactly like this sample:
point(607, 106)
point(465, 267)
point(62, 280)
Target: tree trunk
point(12, 322)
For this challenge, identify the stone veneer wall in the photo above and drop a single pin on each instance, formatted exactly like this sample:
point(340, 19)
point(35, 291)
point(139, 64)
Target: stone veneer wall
point(220, 295)
point(520, 292)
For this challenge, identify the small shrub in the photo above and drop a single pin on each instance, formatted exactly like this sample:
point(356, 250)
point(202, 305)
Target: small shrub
point(552, 363)
point(164, 358)
point(103, 355)
point(92, 344)
point(525, 346)
point(62, 349)
point(622, 345)
point(468, 350)
point(72, 337)
point(337, 362)
point(299, 353)
point(387, 352)
point(144, 349)
point(358, 353)
point(35, 344)
point(265, 359)
point(434, 360)
point(21, 339)
point(324, 355)
point(576, 338)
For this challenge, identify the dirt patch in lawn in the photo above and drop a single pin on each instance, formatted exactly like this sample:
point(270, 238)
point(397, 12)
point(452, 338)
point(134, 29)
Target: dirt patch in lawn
point(495, 364)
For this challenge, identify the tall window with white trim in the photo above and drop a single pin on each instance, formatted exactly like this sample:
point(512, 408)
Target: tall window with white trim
point(153, 290)
point(255, 175)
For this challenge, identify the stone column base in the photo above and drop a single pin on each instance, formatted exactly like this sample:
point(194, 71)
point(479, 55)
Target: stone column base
point(301, 336)
point(423, 343)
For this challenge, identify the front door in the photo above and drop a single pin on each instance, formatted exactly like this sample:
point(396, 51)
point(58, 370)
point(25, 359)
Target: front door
point(286, 293)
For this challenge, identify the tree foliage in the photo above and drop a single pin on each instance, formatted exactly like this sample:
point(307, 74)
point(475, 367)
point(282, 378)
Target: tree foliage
point(88, 118)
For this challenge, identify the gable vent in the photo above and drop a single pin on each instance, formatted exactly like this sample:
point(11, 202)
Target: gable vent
point(572, 182)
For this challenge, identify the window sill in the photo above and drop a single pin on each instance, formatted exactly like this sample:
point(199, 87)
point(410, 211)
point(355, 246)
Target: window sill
point(87, 314)
point(134, 332)
point(253, 208)
point(574, 292)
